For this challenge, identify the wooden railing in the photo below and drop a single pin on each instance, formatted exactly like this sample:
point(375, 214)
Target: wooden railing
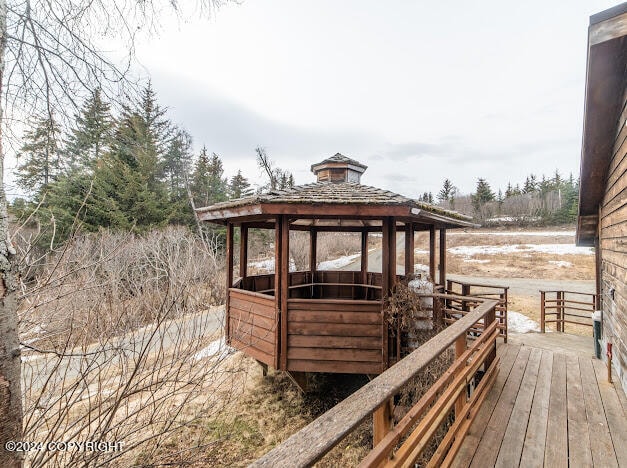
point(455, 308)
point(557, 307)
point(450, 396)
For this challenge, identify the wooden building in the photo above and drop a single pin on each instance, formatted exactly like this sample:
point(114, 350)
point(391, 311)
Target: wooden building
point(323, 321)
point(602, 221)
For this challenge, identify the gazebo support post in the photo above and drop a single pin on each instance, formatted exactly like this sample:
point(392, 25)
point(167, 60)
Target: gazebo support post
point(313, 252)
point(364, 260)
point(229, 276)
point(243, 251)
point(285, 277)
point(409, 249)
point(443, 257)
point(277, 290)
point(432, 253)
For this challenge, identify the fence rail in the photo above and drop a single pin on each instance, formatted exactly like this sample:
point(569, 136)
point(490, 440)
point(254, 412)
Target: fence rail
point(451, 396)
point(455, 308)
point(557, 307)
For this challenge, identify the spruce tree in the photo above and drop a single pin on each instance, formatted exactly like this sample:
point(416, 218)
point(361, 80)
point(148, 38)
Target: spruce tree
point(90, 137)
point(444, 195)
point(208, 184)
point(482, 195)
point(39, 159)
point(239, 186)
point(531, 184)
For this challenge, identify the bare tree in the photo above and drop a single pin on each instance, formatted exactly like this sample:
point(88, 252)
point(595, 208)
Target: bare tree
point(51, 52)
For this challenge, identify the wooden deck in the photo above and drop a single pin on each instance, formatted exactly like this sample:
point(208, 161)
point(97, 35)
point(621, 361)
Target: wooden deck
point(550, 406)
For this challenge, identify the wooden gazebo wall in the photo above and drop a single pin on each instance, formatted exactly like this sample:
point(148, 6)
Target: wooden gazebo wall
point(271, 345)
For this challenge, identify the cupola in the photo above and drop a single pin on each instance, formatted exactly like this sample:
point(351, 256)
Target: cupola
point(338, 168)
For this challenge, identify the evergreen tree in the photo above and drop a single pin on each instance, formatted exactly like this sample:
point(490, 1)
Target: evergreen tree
point(239, 186)
point(40, 155)
point(176, 163)
point(90, 137)
point(531, 184)
point(208, 184)
point(482, 195)
point(444, 195)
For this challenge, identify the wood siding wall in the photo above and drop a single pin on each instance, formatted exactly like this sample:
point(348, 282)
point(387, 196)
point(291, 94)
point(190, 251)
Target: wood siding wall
point(253, 325)
point(335, 336)
point(613, 242)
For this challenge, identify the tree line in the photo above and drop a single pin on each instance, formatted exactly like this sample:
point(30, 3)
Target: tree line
point(132, 171)
point(553, 199)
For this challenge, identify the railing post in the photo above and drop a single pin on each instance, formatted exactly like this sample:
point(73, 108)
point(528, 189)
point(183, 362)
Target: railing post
point(560, 310)
point(542, 311)
point(460, 348)
point(381, 422)
point(488, 319)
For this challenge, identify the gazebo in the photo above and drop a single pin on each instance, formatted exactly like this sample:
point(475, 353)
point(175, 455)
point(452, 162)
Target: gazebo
point(323, 321)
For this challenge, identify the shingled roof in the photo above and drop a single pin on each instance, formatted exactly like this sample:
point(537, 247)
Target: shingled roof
point(325, 195)
point(339, 158)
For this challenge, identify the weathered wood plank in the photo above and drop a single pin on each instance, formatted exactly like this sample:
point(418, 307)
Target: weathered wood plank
point(334, 329)
point(252, 318)
point(533, 448)
point(556, 448)
point(252, 351)
point(330, 354)
point(335, 316)
point(490, 443)
point(614, 412)
point(241, 329)
point(579, 453)
point(600, 440)
point(346, 367)
point(514, 437)
point(354, 342)
point(471, 441)
point(334, 304)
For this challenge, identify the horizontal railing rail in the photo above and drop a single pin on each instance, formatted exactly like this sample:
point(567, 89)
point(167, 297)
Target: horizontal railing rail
point(557, 307)
point(479, 291)
point(375, 399)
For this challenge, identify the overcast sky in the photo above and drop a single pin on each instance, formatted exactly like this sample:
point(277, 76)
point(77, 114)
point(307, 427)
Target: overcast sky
point(418, 91)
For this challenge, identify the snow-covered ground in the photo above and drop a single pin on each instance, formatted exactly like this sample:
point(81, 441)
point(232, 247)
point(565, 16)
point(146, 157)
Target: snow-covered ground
point(268, 265)
point(338, 262)
point(519, 323)
point(555, 249)
point(217, 349)
point(513, 233)
point(560, 263)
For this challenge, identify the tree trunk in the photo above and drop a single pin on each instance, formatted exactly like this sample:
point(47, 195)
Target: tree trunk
point(10, 362)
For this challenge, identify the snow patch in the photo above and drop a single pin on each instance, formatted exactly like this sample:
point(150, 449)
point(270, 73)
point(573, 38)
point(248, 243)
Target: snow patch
point(268, 265)
point(215, 350)
point(556, 249)
point(475, 260)
point(514, 233)
point(338, 262)
point(560, 263)
point(519, 323)
point(421, 252)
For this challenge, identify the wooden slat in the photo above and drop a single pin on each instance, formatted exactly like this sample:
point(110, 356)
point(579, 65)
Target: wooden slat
point(535, 437)
point(241, 330)
point(353, 342)
point(335, 329)
point(347, 367)
point(335, 317)
point(252, 318)
point(614, 412)
point(513, 440)
point(330, 354)
point(251, 296)
point(469, 446)
point(488, 448)
point(253, 352)
point(600, 440)
point(556, 447)
point(264, 311)
point(578, 433)
point(331, 304)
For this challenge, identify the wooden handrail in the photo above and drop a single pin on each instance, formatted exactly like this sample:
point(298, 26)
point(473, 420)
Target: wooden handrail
point(316, 439)
point(480, 285)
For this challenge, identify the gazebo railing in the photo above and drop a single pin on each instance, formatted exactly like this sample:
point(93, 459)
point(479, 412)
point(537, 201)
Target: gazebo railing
point(475, 367)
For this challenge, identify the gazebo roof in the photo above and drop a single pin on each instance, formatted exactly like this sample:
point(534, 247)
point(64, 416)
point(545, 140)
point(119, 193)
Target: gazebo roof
point(327, 199)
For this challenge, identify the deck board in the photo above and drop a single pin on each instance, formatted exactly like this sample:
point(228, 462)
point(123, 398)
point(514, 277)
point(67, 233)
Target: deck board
point(548, 407)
